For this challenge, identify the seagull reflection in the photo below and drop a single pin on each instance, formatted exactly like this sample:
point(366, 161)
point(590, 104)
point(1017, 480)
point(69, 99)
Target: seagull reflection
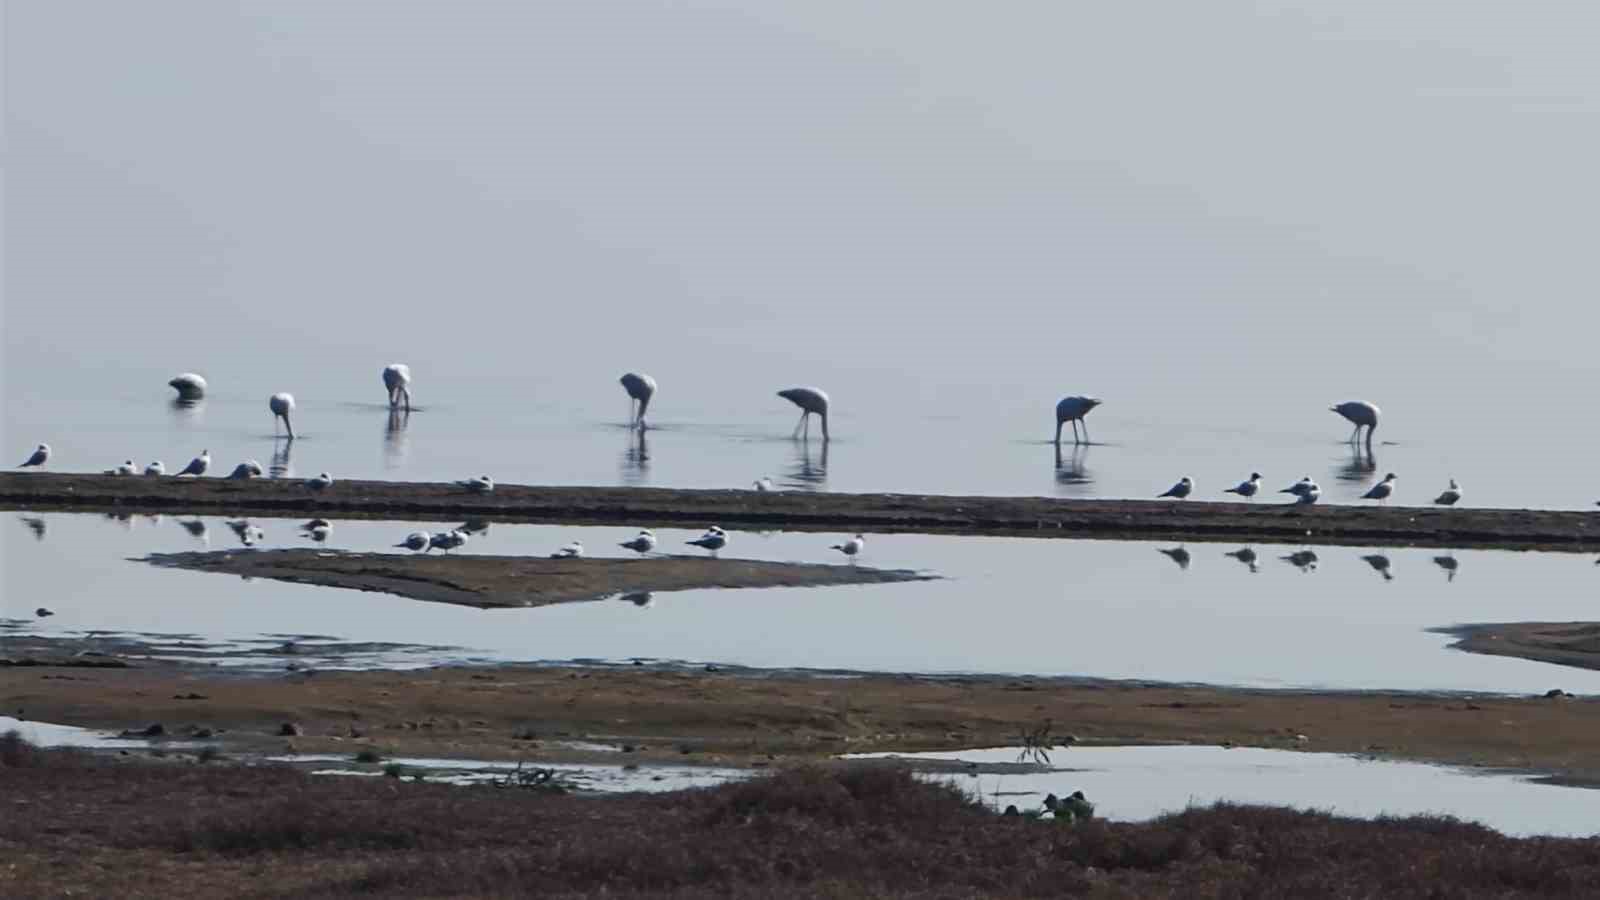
point(197, 530)
point(634, 466)
point(35, 525)
point(641, 599)
point(1361, 464)
point(809, 472)
point(1380, 564)
point(246, 531)
point(394, 438)
point(1069, 469)
point(1245, 555)
point(1449, 564)
point(475, 527)
point(281, 467)
point(1304, 560)
point(126, 519)
point(1178, 555)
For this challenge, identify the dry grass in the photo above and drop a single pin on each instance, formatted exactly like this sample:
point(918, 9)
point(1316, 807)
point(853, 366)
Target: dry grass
point(78, 823)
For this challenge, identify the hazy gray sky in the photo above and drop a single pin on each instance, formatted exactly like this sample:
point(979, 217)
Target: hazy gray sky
point(1153, 201)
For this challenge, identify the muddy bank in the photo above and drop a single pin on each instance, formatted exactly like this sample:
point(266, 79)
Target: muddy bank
point(518, 581)
point(1562, 643)
point(764, 718)
point(793, 510)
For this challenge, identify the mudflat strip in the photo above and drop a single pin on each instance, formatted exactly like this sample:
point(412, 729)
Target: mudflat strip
point(518, 581)
point(1519, 529)
point(1562, 643)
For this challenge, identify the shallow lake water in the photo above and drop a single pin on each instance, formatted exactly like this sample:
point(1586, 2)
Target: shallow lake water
point(1107, 609)
point(1138, 783)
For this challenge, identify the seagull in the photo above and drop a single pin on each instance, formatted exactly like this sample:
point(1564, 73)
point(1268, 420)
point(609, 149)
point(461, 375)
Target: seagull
point(1362, 415)
point(320, 483)
point(1179, 490)
point(1450, 496)
point(198, 465)
point(40, 454)
point(447, 540)
point(1247, 489)
point(763, 484)
point(36, 524)
point(1304, 560)
point(1449, 564)
point(245, 470)
point(397, 378)
point(189, 386)
point(1380, 563)
point(155, 468)
point(640, 388)
point(417, 540)
point(1381, 491)
point(810, 400)
point(1179, 555)
point(127, 468)
point(483, 484)
point(714, 539)
point(573, 550)
point(1073, 409)
point(318, 529)
point(1299, 486)
point(42, 612)
point(851, 547)
point(643, 544)
point(1245, 555)
point(1305, 490)
point(281, 405)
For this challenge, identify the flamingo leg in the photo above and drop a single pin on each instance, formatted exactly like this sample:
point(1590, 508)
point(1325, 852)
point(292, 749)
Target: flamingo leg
point(798, 424)
point(288, 427)
point(1086, 431)
point(407, 392)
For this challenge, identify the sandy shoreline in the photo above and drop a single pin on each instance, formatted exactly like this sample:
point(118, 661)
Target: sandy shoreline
point(793, 510)
point(1563, 643)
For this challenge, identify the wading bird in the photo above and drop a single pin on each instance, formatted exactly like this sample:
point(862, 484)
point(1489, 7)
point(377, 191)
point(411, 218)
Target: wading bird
point(190, 387)
point(1362, 415)
point(397, 380)
point(40, 454)
point(1073, 409)
point(1180, 490)
point(1247, 489)
point(198, 465)
point(714, 539)
point(1450, 496)
point(1381, 491)
point(640, 388)
point(811, 401)
point(643, 544)
point(282, 405)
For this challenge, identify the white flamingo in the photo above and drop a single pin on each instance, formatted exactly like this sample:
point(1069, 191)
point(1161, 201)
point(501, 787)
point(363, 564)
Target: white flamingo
point(640, 388)
point(281, 404)
point(812, 401)
point(40, 454)
point(1073, 409)
point(1362, 415)
point(1247, 489)
point(1451, 495)
point(397, 380)
point(643, 544)
point(198, 465)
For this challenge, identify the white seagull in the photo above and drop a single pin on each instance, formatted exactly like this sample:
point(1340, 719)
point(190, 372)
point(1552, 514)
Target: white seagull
point(640, 388)
point(643, 544)
point(1381, 491)
point(1362, 415)
point(1247, 489)
point(1305, 491)
point(573, 550)
point(417, 540)
point(483, 484)
point(811, 401)
point(763, 484)
point(851, 547)
point(282, 405)
point(40, 454)
point(318, 530)
point(397, 379)
point(1179, 490)
point(1450, 495)
point(1073, 409)
point(447, 540)
point(320, 483)
point(198, 465)
point(714, 539)
point(246, 470)
point(155, 468)
point(189, 386)
point(127, 468)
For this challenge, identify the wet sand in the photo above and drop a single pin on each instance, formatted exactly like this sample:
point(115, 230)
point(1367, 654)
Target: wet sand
point(794, 510)
point(520, 581)
point(754, 718)
point(1562, 643)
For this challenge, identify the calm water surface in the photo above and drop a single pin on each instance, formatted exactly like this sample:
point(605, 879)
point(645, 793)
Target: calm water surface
point(1355, 618)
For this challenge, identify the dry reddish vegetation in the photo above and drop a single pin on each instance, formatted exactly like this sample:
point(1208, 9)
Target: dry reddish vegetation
point(98, 827)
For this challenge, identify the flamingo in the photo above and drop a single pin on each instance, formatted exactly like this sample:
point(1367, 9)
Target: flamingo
point(282, 405)
point(198, 465)
point(851, 547)
point(397, 380)
point(640, 388)
point(1361, 414)
point(1073, 409)
point(1381, 491)
point(1179, 490)
point(1450, 496)
point(643, 544)
point(1247, 489)
point(40, 454)
point(190, 387)
point(573, 550)
point(417, 541)
point(810, 400)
